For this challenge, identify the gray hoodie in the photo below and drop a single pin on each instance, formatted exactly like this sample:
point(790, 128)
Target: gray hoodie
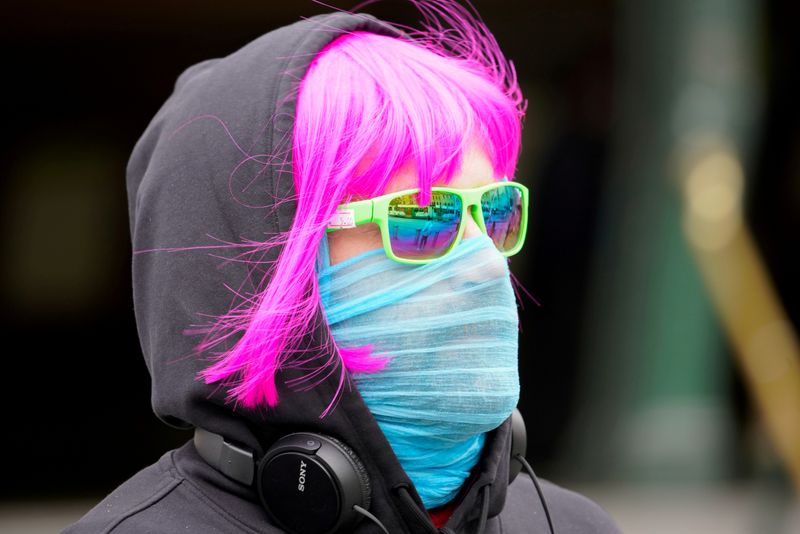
point(180, 185)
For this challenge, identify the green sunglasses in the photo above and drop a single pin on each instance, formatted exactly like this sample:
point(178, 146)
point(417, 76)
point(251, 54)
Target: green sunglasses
point(415, 234)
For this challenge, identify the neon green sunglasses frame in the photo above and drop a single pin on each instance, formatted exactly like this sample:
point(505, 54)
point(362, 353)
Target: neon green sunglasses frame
point(376, 210)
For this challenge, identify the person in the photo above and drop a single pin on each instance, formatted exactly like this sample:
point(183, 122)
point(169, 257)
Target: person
point(339, 379)
point(425, 232)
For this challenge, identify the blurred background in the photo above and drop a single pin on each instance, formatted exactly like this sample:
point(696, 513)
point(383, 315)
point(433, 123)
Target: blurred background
point(660, 368)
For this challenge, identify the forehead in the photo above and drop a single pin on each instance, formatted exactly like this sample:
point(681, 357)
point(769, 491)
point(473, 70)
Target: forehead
point(476, 170)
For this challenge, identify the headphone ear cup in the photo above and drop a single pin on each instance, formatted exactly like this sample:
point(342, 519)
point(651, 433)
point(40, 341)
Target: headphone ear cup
point(360, 470)
point(309, 483)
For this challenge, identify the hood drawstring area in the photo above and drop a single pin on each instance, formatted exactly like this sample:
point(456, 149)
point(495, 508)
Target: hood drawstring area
point(423, 518)
point(486, 492)
point(415, 510)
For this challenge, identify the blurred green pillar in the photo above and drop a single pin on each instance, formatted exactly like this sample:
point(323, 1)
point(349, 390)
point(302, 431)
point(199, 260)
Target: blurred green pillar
point(654, 402)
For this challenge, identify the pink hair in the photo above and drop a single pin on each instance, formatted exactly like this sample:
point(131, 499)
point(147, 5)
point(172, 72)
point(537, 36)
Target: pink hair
point(387, 102)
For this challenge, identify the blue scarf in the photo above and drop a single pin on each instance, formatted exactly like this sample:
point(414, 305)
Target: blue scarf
point(450, 328)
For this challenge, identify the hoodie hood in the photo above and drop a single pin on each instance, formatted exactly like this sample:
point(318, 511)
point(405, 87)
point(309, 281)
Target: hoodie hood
point(197, 177)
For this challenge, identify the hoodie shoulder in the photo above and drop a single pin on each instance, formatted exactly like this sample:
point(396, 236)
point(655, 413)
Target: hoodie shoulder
point(570, 512)
point(125, 506)
point(159, 500)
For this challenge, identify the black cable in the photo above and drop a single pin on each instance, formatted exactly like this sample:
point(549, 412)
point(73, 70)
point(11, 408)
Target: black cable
point(368, 515)
point(529, 469)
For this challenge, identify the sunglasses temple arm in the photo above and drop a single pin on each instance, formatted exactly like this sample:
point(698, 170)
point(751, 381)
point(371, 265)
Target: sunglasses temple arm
point(350, 215)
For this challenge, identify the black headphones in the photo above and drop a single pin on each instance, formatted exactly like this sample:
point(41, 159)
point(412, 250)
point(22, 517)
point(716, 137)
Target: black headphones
point(312, 483)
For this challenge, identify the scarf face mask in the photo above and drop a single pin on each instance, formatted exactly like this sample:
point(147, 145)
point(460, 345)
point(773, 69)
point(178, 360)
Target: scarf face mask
point(450, 328)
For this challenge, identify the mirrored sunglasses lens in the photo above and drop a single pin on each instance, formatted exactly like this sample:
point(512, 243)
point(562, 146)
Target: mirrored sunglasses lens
point(502, 213)
point(423, 232)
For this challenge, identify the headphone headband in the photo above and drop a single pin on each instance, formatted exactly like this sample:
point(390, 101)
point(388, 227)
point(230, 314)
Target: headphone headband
point(232, 461)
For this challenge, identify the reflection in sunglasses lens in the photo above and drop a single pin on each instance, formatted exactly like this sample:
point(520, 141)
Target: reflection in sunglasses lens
point(423, 232)
point(502, 213)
